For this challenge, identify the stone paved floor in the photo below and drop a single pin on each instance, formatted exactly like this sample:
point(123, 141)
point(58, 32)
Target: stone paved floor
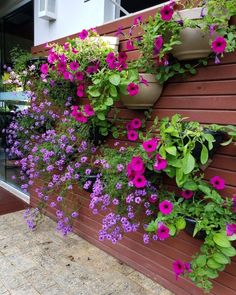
point(45, 263)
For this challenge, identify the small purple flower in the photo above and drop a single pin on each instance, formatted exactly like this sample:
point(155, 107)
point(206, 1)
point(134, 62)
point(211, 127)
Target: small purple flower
point(74, 214)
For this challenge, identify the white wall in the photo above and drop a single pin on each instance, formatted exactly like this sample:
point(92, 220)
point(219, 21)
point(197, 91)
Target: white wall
point(72, 17)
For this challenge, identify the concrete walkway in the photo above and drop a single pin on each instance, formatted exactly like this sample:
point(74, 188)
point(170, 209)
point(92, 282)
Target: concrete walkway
point(45, 263)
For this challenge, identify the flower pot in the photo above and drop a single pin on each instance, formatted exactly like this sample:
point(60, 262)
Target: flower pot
point(147, 95)
point(190, 226)
point(195, 42)
point(112, 42)
point(219, 138)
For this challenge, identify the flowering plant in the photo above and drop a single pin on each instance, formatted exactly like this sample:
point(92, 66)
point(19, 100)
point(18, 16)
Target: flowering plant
point(160, 35)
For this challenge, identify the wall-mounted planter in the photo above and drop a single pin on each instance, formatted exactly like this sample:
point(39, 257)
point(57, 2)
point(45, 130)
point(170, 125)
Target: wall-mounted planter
point(190, 226)
point(147, 95)
point(195, 42)
point(113, 42)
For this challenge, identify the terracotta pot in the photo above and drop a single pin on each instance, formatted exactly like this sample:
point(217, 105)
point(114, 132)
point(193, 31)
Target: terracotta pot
point(233, 20)
point(147, 96)
point(195, 42)
point(113, 42)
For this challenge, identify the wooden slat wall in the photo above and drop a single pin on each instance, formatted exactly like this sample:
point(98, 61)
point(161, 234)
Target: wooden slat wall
point(208, 97)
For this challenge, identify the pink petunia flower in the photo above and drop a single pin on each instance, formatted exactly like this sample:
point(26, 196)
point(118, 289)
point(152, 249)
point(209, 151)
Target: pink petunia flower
point(178, 268)
point(79, 76)
point(122, 57)
point(74, 110)
point(150, 145)
point(83, 34)
point(158, 43)
point(74, 50)
point(130, 45)
point(88, 109)
point(217, 182)
point(132, 135)
point(132, 89)
point(186, 194)
point(44, 69)
point(160, 163)
point(138, 20)
point(119, 31)
point(81, 118)
point(110, 58)
point(74, 65)
point(167, 12)
point(92, 69)
point(61, 66)
point(128, 126)
point(139, 181)
point(166, 207)
point(137, 164)
point(219, 45)
point(163, 232)
point(136, 123)
point(231, 229)
point(80, 90)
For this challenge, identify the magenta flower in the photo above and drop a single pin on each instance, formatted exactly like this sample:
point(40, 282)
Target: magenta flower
point(74, 65)
point(150, 145)
point(219, 45)
point(158, 43)
point(153, 198)
point(128, 126)
point(137, 164)
point(231, 229)
point(88, 109)
point(143, 81)
point(74, 110)
point(83, 34)
point(138, 20)
point(81, 118)
point(132, 135)
point(110, 58)
point(132, 89)
point(163, 232)
point(80, 90)
point(217, 182)
point(61, 66)
point(44, 69)
point(166, 207)
point(178, 268)
point(234, 203)
point(130, 45)
point(160, 163)
point(79, 76)
point(139, 181)
point(122, 57)
point(136, 123)
point(119, 31)
point(167, 12)
point(92, 69)
point(186, 194)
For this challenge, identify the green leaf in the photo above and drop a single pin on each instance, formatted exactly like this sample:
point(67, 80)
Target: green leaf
point(228, 251)
point(188, 163)
point(94, 92)
point(101, 116)
point(109, 101)
point(180, 223)
point(213, 264)
point(212, 274)
point(114, 79)
point(205, 189)
point(220, 258)
point(172, 229)
point(221, 240)
point(190, 185)
point(227, 142)
point(113, 91)
point(204, 154)
point(152, 226)
point(201, 260)
point(171, 150)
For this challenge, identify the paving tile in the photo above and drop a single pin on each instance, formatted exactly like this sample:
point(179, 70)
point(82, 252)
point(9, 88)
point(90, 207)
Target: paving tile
point(25, 289)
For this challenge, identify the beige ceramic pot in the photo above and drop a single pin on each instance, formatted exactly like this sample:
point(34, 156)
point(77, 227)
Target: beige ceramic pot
point(195, 42)
point(112, 42)
point(147, 95)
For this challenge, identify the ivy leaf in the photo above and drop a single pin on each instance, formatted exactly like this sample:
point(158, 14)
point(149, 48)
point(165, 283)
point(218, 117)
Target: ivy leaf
point(94, 92)
point(212, 274)
point(228, 251)
point(205, 189)
point(201, 260)
point(109, 101)
point(204, 154)
point(101, 116)
point(190, 185)
point(113, 91)
point(221, 240)
point(188, 163)
point(114, 79)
